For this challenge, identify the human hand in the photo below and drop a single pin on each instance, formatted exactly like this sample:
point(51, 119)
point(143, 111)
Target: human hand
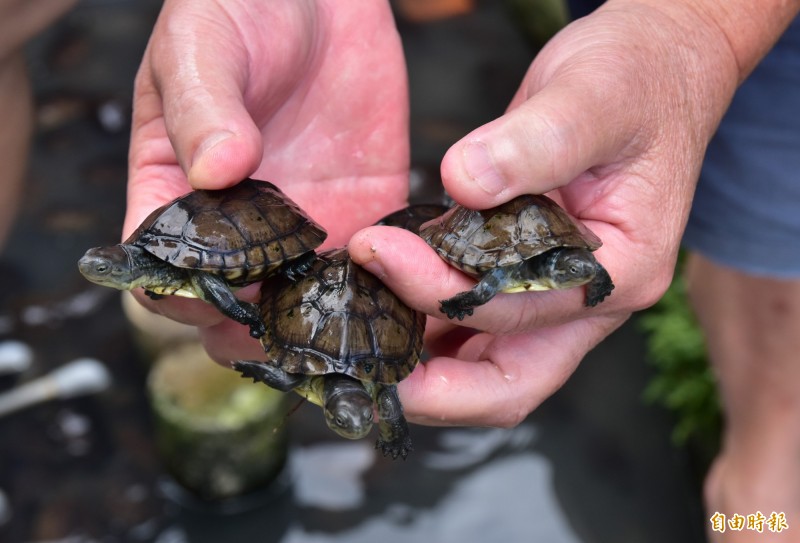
point(612, 120)
point(310, 95)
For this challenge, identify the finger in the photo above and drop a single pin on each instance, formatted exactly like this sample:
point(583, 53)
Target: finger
point(192, 311)
point(228, 341)
point(213, 135)
point(178, 309)
point(196, 124)
point(499, 381)
point(405, 263)
point(414, 272)
point(541, 143)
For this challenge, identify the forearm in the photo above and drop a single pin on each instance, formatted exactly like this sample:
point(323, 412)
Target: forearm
point(747, 29)
point(701, 50)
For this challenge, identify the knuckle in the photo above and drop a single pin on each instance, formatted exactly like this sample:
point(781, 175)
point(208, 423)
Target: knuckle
point(651, 291)
point(512, 419)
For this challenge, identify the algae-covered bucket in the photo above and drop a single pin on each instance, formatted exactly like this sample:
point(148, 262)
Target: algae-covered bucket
point(219, 435)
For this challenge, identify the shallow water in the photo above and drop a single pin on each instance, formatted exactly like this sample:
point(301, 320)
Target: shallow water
point(465, 512)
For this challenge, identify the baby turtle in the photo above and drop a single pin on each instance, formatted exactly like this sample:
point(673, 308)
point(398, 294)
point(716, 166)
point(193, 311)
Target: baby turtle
point(529, 243)
point(343, 340)
point(207, 241)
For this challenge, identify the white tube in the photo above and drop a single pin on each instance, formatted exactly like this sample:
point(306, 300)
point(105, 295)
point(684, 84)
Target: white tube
point(76, 378)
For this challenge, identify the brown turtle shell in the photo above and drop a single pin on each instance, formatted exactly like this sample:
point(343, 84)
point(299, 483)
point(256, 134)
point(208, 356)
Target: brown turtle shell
point(527, 226)
point(242, 233)
point(412, 217)
point(340, 319)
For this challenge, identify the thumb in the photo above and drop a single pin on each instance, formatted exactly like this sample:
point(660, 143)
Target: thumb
point(213, 134)
point(541, 143)
point(194, 75)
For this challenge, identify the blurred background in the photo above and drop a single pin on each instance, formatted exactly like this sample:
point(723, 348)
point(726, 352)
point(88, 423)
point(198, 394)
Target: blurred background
point(601, 461)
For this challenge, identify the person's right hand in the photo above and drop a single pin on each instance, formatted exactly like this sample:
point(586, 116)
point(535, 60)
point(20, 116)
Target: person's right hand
point(308, 94)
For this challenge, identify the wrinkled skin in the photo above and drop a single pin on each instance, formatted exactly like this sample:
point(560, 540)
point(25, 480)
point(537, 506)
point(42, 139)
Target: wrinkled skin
point(612, 119)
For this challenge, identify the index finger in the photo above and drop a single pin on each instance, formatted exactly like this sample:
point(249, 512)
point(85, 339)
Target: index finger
point(414, 272)
point(498, 381)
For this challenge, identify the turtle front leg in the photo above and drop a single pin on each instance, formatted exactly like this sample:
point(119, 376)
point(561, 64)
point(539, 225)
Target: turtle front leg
point(463, 303)
point(394, 438)
point(269, 375)
point(296, 269)
point(600, 287)
point(214, 290)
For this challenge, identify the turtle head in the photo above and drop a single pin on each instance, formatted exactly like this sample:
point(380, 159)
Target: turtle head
point(348, 407)
point(569, 267)
point(111, 266)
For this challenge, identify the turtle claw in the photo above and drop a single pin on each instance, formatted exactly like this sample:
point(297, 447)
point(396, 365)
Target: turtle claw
point(261, 372)
point(257, 330)
point(252, 317)
point(463, 304)
point(396, 447)
point(250, 369)
point(152, 295)
point(393, 439)
point(599, 288)
point(456, 308)
point(214, 290)
point(298, 268)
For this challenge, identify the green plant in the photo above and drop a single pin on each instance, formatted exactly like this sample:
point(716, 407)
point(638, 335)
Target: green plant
point(684, 382)
point(538, 19)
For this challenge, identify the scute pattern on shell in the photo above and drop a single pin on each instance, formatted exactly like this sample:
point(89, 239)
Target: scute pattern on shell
point(529, 225)
point(243, 233)
point(340, 319)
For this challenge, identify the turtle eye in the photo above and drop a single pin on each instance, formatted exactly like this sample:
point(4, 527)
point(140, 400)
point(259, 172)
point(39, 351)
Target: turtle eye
point(340, 421)
point(573, 269)
point(366, 415)
point(102, 268)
